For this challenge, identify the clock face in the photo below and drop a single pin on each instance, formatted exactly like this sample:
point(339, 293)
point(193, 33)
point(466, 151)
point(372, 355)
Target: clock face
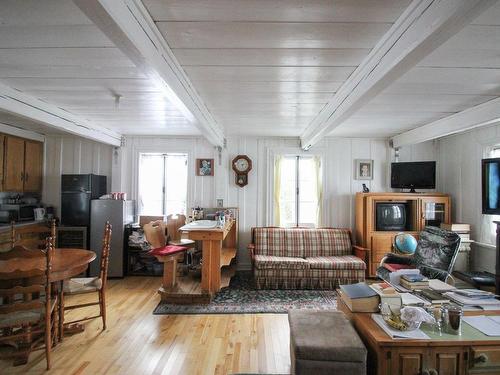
point(241, 165)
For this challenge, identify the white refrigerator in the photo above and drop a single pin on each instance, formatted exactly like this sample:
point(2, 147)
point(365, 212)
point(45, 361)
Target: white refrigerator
point(119, 213)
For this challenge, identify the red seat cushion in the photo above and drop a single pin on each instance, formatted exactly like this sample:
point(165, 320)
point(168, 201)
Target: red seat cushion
point(167, 250)
point(396, 267)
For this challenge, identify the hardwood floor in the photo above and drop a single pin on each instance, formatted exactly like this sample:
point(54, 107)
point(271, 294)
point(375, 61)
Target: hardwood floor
point(138, 342)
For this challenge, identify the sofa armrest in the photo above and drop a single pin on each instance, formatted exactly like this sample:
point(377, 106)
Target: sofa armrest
point(251, 251)
point(361, 252)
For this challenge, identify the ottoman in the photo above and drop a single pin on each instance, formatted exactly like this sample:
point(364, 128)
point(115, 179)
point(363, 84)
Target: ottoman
point(324, 342)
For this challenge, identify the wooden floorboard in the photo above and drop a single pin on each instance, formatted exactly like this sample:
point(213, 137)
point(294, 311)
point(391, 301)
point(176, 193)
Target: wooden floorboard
point(138, 342)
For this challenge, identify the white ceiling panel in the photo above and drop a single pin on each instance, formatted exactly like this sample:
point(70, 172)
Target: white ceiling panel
point(271, 57)
point(277, 10)
point(50, 50)
point(271, 35)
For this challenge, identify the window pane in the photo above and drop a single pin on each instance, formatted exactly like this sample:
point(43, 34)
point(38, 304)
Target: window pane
point(176, 184)
point(151, 177)
point(308, 192)
point(288, 210)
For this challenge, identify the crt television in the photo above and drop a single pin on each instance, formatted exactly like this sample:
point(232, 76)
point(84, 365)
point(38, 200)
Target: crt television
point(391, 216)
point(413, 175)
point(491, 186)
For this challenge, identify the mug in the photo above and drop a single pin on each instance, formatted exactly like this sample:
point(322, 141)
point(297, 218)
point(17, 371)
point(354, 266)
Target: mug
point(39, 213)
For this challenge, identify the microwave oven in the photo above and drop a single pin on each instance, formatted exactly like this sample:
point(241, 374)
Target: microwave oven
point(21, 212)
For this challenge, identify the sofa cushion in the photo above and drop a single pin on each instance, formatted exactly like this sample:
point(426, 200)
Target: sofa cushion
point(280, 242)
point(346, 262)
point(335, 242)
point(272, 262)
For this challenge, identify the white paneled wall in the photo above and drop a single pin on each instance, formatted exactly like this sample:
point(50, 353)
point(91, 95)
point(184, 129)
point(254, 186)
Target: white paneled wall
point(460, 175)
point(339, 153)
point(72, 155)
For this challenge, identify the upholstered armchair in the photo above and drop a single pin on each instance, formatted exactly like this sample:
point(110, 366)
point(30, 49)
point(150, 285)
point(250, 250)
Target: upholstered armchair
point(435, 255)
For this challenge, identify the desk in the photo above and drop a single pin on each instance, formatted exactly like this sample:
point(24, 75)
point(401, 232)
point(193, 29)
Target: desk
point(218, 250)
point(470, 353)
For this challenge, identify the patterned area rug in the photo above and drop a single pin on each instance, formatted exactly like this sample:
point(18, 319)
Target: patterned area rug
point(242, 298)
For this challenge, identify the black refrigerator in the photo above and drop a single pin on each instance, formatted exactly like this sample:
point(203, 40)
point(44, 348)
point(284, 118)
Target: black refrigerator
point(77, 190)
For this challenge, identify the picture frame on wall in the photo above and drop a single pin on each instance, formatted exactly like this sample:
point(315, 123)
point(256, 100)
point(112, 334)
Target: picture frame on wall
point(205, 167)
point(364, 169)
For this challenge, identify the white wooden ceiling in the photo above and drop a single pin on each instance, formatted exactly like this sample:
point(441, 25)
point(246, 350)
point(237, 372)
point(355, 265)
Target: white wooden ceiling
point(462, 73)
point(268, 67)
point(262, 67)
point(51, 50)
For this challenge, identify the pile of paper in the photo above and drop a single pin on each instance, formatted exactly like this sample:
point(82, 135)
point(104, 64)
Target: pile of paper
point(473, 297)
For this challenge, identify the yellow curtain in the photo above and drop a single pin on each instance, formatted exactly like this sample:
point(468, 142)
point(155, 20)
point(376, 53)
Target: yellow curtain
point(277, 189)
point(319, 190)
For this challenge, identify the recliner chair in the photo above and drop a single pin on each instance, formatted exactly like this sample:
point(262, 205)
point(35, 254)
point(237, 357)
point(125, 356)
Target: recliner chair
point(435, 256)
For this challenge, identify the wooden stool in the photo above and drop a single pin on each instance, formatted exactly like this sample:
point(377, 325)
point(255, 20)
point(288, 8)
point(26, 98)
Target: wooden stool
point(168, 256)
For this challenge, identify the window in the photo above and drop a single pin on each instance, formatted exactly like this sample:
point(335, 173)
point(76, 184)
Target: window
point(162, 184)
point(297, 191)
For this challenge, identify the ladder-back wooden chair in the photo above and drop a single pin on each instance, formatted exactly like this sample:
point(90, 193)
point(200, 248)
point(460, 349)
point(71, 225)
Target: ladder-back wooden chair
point(28, 309)
point(167, 254)
point(174, 222)
point(97, 285)
point(33, 237)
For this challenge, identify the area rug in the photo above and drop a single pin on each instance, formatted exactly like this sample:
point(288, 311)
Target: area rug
point(241, 297)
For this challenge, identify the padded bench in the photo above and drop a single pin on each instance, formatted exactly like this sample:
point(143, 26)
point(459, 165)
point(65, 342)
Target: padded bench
point(324, 342)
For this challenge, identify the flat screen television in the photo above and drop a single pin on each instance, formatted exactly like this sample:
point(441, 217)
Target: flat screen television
point(390, 216)
point(413, 175)
point(491, 186)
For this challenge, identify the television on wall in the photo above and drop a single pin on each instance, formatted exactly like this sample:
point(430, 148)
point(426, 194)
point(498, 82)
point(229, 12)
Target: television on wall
point(491, 186)
point(413, 175)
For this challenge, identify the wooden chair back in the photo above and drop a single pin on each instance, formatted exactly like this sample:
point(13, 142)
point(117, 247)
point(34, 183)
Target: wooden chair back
point(155, 234)
point(174, 222)
point(106, 245)
point(147, 219)
point(33, 237)
point(24, 275)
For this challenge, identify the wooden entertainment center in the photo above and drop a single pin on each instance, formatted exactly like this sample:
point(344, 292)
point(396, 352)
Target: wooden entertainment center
point(420, 209)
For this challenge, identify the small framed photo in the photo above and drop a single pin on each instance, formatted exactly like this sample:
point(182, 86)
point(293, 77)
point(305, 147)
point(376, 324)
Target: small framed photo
point(204, 167)
point(220, 203)
point(364, 169)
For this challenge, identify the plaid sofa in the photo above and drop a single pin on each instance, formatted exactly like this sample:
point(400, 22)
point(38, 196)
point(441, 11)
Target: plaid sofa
point(300, 258)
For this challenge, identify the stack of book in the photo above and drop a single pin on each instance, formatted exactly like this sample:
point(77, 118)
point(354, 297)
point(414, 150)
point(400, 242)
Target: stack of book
point(463, 258)
point(474, 297)
point(413, 282)
point(359, 297)
point(435, 298)
point(387, 294)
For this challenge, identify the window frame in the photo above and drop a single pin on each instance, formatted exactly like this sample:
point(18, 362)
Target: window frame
point(164, 155)
point(271, 157)
point(160, 149)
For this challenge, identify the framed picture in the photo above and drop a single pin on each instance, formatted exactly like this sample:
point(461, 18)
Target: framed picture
point(364, 169)
point(204, 167)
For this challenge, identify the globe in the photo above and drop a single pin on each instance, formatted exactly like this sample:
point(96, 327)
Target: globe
point(405, 243)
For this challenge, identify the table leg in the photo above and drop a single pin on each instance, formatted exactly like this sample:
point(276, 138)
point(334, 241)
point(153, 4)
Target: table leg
point(206, 276)
point(169, 272)
point(61, 311)
point(215, 266)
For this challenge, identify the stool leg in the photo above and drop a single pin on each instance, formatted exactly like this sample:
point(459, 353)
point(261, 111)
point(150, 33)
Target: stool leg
point(169, 273)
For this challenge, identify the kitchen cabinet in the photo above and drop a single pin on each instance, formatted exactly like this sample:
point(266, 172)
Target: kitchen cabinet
point(33, 166)
point(23, 165)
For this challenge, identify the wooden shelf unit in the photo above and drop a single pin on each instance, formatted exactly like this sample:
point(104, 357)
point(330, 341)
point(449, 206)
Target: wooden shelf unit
point(422, 209)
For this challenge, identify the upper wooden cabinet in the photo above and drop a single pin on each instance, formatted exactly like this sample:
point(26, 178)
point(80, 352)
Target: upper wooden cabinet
point(33, 166)
point(23, 164)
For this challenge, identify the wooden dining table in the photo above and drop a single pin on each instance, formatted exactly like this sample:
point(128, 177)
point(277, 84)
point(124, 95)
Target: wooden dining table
point(66, 263)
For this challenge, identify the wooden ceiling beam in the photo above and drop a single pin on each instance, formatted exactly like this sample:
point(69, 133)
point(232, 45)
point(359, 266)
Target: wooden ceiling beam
point(23, 105)
point(423, 26)
point(484, 114)
point(130, 27)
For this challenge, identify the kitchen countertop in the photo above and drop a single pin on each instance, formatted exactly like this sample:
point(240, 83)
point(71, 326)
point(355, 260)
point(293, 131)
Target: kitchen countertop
point(6, 226)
